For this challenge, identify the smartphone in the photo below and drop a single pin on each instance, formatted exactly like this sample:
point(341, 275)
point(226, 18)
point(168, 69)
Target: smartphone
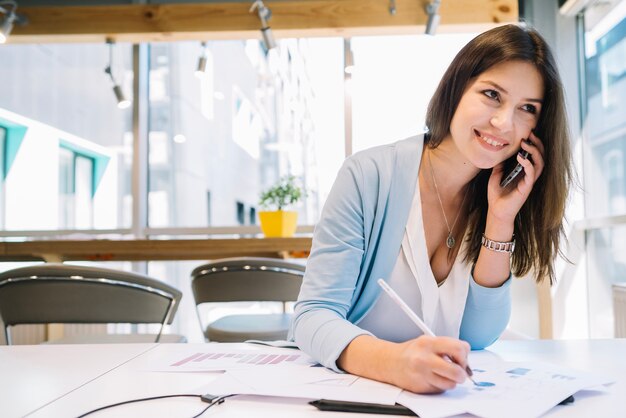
point(506, 180)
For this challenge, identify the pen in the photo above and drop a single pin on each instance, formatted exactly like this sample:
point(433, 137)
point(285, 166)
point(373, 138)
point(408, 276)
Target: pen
point(416, 319)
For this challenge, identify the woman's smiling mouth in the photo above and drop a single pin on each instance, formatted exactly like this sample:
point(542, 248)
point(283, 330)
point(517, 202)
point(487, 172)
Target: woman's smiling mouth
point(489, 140)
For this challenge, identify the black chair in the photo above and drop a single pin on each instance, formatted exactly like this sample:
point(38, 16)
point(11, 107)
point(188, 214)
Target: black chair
point(247, 279)
point(59, 293)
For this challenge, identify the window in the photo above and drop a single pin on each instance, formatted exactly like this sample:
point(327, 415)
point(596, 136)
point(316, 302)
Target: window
point(76, 190)
point(66, 188)
point(252, 216)
point(3, 134)
point(251, 118)
point(241, 210)
point(244, 123)
point(208, 206)
point(59, 96)
point(213, 143)
point(276, 113)
point(393, 80)
point(605, 146)
point(605, 127)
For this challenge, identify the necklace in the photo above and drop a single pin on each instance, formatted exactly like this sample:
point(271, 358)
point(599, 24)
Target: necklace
point(450, 241)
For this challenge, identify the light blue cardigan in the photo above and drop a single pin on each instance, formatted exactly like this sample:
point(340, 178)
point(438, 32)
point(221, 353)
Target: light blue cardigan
point(357, 240)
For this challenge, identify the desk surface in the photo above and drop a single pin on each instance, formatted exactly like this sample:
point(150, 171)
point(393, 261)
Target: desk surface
point(33, 376)
point(61, 381)
point(147, 250)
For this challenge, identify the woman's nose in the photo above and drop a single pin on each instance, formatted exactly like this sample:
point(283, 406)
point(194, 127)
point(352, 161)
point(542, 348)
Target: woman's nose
point(503, 119)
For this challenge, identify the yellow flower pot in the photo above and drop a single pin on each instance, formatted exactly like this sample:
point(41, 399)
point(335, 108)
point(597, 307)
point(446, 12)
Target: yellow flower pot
point(279, 223)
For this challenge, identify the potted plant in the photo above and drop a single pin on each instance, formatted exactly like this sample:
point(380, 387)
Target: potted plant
point(275, 221)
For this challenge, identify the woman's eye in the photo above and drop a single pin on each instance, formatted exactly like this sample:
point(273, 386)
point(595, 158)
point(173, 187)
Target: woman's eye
point(492, 94)
point(530, 109)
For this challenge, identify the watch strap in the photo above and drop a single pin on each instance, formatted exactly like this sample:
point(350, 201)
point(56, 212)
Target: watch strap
point(498, 246)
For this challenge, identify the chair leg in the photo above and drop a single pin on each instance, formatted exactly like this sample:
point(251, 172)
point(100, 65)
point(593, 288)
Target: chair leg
point(167, 315)
point(158, 337)
point(7, 335)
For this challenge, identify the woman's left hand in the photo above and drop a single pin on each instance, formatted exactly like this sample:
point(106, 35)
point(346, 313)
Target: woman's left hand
point(505, 202)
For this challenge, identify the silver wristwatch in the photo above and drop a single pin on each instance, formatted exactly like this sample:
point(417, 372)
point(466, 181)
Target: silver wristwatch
point(498, 246)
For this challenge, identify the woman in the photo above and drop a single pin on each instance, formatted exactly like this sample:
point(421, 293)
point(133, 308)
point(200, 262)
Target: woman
point(428, 214)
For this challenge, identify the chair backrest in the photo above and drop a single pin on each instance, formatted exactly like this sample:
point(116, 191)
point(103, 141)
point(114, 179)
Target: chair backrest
point(59, 293)
point(247, 279)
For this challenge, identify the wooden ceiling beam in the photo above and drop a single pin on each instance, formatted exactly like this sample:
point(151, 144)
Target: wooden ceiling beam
point(169, 22)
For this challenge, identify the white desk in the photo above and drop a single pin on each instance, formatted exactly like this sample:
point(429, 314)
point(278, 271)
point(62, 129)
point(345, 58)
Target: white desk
point(32, 376)
point(61, 381)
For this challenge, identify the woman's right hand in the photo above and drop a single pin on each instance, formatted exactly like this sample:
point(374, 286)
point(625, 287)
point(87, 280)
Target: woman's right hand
point(423, 364)
point(420, 365)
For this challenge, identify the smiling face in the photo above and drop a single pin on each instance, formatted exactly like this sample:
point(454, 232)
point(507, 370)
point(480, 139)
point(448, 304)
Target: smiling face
point(497, 111)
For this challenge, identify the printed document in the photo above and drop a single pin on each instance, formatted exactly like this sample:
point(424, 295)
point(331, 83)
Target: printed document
point(303, 382)
point(214, 357)
point(506, 389)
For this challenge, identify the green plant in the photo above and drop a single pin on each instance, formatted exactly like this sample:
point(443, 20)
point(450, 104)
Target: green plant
point(285, 192)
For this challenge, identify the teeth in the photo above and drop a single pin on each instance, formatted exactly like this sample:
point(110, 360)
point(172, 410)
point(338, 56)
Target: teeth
point(491, 141)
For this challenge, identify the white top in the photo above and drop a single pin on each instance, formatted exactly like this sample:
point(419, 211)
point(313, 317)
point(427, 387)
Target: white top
point(441, 307)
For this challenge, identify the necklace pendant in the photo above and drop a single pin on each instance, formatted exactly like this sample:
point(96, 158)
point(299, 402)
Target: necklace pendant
point(450, 241)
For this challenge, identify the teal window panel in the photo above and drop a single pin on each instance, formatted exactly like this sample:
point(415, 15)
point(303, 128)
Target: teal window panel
point(100, 161)
point(14, 135)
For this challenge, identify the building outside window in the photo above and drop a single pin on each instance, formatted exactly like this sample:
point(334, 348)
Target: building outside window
point(3, 134)
point(605, 149)
point(76, 189)
point(59, 96)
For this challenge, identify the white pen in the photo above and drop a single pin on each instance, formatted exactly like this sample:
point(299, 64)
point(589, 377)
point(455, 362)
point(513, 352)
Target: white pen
point(416, 319)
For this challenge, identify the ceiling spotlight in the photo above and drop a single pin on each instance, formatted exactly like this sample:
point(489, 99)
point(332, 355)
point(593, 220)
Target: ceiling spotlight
point(348, 65)
point(392, 7)
point(264, 14)
point(122, 102)
point(432, 9)
point(202, 62)
point(8, 18)
point(5, 27)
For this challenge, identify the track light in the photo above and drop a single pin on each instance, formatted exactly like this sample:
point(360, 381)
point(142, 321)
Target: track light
point(202, 62)
point(264, 14)
point(5, 27)
point(122, 102)
point(201, 66)
point(392, 7)
point(432, 9)
point(348, 66)
point(9, 18)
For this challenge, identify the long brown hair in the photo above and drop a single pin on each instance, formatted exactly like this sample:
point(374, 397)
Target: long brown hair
point(538, 226)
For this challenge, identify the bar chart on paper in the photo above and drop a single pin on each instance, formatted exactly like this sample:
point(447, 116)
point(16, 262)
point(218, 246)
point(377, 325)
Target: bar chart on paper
point(237, 358)
point(516, 389)
point(216, 360)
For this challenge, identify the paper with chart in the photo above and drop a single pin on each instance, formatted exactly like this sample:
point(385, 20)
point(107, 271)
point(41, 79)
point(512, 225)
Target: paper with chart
point(212, 357)
point(511, 389)
point(270, 371)
point(301, 381)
